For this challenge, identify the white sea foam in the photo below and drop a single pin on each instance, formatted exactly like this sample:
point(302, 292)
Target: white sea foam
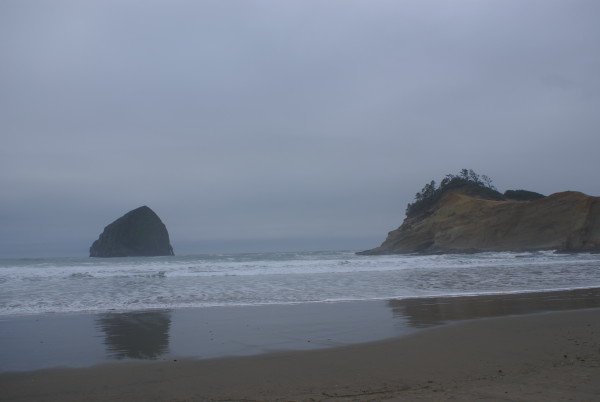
point(90, 284)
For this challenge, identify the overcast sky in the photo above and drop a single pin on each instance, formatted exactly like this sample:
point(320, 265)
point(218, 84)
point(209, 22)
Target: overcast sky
point(265, 125)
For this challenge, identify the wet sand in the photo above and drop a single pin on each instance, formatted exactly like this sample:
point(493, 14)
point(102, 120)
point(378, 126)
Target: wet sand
point(521, 347)
point(539, 357)
point(80, 340)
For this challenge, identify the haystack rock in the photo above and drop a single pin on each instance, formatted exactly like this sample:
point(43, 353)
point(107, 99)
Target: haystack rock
point(138, 233)
point(567, 221)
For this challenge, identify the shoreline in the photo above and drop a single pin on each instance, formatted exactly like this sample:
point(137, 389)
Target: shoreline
point(548, 356)
point(66, 313)
point(29, 343)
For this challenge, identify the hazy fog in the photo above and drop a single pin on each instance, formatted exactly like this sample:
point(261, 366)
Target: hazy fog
point(282, 125)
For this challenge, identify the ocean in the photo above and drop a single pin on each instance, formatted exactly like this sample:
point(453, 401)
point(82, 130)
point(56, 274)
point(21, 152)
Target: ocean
point(94, 285)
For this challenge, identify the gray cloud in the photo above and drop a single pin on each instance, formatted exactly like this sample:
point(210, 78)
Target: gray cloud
point(283, 120)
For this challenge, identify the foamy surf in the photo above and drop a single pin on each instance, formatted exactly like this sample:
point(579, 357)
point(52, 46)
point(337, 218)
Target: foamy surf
point(31, 286)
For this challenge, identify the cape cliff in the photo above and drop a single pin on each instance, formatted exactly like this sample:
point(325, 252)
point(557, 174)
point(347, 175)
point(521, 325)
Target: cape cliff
point(138, 233)
point(458, 222)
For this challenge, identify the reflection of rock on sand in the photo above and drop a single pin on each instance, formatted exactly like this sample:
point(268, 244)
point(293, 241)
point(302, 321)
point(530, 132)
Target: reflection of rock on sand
point(138, 335)
point(426, 312)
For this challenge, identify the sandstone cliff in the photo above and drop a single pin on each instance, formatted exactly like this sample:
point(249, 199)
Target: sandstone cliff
point(138, 233)
point(567, 221)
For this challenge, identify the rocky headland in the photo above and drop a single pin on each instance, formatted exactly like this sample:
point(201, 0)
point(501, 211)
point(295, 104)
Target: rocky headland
point(138, 233)
point(464, 216)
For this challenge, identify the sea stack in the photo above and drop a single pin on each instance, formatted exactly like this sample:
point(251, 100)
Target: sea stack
point(138, 233)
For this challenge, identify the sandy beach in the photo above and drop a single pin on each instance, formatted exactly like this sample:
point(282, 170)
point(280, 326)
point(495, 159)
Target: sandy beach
point(552, 356)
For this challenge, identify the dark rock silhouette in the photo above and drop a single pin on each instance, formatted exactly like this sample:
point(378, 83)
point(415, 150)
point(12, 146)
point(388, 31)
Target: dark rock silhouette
point(138, 233)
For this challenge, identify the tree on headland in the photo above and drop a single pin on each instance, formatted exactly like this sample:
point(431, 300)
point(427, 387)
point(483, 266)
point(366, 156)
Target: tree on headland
point(522, 195)
point(473, 183)
point(427, 191)
point(470, 183)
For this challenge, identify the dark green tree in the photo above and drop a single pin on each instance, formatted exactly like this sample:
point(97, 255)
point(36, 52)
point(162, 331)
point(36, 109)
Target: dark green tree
point(471, 182)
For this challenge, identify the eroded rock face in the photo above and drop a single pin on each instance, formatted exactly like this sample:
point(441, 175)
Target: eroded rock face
point(138, 233)
point(567, 221)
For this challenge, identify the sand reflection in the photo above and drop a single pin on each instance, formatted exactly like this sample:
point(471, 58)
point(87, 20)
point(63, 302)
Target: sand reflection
point(426, 312)
point(136, 335)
